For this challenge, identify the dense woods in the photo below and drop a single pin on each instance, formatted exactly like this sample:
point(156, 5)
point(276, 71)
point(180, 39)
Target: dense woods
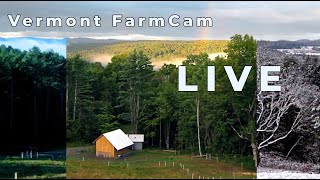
point(129, 94)
point(32, 100)
point(156, 50)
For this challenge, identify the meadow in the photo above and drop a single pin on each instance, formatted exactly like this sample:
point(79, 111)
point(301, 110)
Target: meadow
point(152, 163)
point(42, 168)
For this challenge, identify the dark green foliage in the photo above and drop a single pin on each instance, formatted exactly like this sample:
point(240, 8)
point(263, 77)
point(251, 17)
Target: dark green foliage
point(32, 99)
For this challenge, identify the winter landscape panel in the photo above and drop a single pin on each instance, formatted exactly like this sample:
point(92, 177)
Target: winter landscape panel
point(288, 123)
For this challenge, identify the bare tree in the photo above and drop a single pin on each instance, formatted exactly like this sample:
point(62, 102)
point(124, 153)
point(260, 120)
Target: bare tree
point(296, 108)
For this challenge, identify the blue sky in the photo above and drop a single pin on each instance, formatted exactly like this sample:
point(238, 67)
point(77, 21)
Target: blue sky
point(270, 20)
point(26, 43)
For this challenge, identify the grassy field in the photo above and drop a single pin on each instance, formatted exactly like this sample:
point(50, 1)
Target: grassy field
point(82, 163)
point(32, 168)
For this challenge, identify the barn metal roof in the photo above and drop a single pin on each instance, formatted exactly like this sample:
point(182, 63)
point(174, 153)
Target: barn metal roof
point(136, 137)
point(118, 139)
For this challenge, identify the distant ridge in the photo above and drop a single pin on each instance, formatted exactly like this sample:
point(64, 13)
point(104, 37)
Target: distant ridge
point(80, 44)
point(286, 44)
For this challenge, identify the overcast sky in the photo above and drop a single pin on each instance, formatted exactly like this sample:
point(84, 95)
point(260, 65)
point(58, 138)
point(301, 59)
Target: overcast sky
point(26, 43)
point(263, 20)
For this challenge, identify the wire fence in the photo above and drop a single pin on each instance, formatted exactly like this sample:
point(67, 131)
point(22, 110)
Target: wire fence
point(171, 162)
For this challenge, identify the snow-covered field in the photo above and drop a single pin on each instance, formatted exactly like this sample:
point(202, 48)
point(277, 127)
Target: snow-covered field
point(268, 173)
point(274, 166)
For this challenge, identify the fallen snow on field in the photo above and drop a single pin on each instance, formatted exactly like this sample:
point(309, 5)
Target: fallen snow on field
point(268, 173)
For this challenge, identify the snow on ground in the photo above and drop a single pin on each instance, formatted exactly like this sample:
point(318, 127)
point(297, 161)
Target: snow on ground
point(269, 173)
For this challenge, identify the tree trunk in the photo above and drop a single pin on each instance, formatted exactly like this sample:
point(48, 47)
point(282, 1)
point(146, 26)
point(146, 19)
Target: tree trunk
point(254, 151)
point(11, 102)
point(35, 114)
point(137, 114)
point(131, 105)
point(67, 95)
point(75, 100)
point(168, 135)
point(152, 141)
point(198, 125)
point(47, 104)
point(160, 136)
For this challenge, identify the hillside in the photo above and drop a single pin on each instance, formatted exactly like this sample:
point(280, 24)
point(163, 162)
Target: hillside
point(103, 51)
point(81, 44)
point(284, 44)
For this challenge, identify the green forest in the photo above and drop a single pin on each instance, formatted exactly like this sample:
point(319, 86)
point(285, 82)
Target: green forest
point(156, 50)
point(32, 100)
point(128, 92)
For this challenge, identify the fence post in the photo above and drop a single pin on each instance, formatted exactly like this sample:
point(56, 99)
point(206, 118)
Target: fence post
point(192, 176)
point(15, 175)
point(31, 154)
point(21, 155)
point(127, 164)
point(165, 164)
point(172, 164)
point(108, 163)
point(82, 158)
point(37, 155)
point(159, 163)
point(183, 167)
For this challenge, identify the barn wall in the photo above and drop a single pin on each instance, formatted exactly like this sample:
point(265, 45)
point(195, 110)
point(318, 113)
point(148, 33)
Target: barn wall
point(104, 148)
point(121, 152)
point(137, 146)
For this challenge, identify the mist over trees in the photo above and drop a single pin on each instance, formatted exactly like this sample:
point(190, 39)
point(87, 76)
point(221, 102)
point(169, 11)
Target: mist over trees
point(129, 94)
point(32, 99)
point(156, 49)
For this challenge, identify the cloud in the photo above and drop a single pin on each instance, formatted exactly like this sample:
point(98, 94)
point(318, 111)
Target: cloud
point(276, 20)
point(270, 15)
point(61, 35)
point(134, 37)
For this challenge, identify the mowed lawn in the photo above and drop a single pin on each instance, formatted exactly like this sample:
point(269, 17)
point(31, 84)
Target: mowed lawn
point(82, 163)
point(32, 169)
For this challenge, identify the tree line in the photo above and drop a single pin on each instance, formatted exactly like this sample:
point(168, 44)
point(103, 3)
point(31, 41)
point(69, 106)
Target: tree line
point(127, 92)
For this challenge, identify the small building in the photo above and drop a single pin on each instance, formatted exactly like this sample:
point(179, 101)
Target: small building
point(112, 144)
point(138, 140)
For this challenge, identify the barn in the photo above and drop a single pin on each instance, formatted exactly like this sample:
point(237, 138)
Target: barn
point(138, 140)
point(112, 144)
